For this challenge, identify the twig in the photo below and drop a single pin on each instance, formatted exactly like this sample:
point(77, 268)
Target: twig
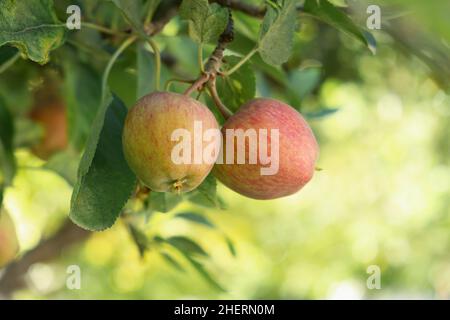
point(170, 81)
point(67, 236)
point(157, 54)
point(226, 113)
point(111, 62)
point(246, 8)
point(8, 63)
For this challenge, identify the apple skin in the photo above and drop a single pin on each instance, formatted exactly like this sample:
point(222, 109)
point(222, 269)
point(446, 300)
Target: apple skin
point(147, 141)
point(298, 151)
point(9, 245)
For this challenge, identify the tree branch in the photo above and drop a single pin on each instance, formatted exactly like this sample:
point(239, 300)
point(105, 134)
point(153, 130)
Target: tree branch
point(13, 276)
point(238, 5)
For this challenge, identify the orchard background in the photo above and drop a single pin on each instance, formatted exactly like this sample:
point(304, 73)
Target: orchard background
point(377, 100)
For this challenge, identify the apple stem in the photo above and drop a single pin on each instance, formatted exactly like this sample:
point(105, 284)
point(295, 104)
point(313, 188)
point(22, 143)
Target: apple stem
point(170, 81)
point(198, 84)
point(226, 113)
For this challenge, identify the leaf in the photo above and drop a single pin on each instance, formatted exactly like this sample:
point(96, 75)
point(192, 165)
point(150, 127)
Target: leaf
point(197, 218)
point(132, 11)
point(238, 88)
point(277, 33)
point(303, 82)
point(321, 113)
point(32, 27)
point(163, 201)
point(186, 245)
point(82, 88)
point(7, 160)
point(65, 164)
point(105, 182)
point(206, 21)
point(139, 238)
point(328, 13)
point(172, 261)
point(231, 247)
point(202, 271)
point(145, 67)
point(150, 10)
point(197, 265)
point(27, 133)
point(206, 193)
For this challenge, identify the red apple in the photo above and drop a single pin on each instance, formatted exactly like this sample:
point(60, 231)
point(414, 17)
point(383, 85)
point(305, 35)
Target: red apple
point(149, 144)
point(296, 150)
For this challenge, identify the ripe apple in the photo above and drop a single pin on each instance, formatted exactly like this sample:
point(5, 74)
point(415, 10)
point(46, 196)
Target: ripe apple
point(294, 147)
point(9, 245)
point(148, 141)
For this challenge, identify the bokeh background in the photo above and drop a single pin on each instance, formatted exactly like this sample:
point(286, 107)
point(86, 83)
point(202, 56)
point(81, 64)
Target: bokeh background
point(382, 197)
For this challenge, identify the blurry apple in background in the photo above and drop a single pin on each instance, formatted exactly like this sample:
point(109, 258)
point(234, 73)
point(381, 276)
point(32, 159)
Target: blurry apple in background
point(50, 113)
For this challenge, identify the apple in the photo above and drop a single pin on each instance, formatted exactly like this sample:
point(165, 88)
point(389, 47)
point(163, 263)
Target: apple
point(283, 147)
point(149, 144)
point(9, 245)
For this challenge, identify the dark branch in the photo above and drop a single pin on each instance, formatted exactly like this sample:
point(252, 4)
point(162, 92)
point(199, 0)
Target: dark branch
point(13, 276)
point(251, 10)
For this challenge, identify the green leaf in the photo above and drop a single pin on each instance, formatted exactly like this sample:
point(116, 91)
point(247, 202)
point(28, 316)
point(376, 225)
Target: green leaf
point(231, 247)
point(328, 13)
point(64, 164)
point(277, 33)
point(240, 87)
point(139, 238)
point(7, 160)
point(197, 218)
point(186, 245)
point(206, 21)
point(145, 69)
point(172, 261)
point(105, 182)
point(27, 133)
point(32, 27)
point(132, 11)
point(82, 88)
point(303, 82)
point(163, 201)
point(188, 255)
point(202, 271)
point(321, 113)
point(150, 10)
point(206, 193)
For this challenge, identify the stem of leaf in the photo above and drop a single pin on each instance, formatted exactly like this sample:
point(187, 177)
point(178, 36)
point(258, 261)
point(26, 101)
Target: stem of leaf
point(200, 57)
point(111, 62)
point(8, 63)
point(103, 29)
point(157, 62)
point(170, 81)
point(240, 63)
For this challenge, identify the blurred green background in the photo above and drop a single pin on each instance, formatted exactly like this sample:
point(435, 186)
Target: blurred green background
point(382, 197)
